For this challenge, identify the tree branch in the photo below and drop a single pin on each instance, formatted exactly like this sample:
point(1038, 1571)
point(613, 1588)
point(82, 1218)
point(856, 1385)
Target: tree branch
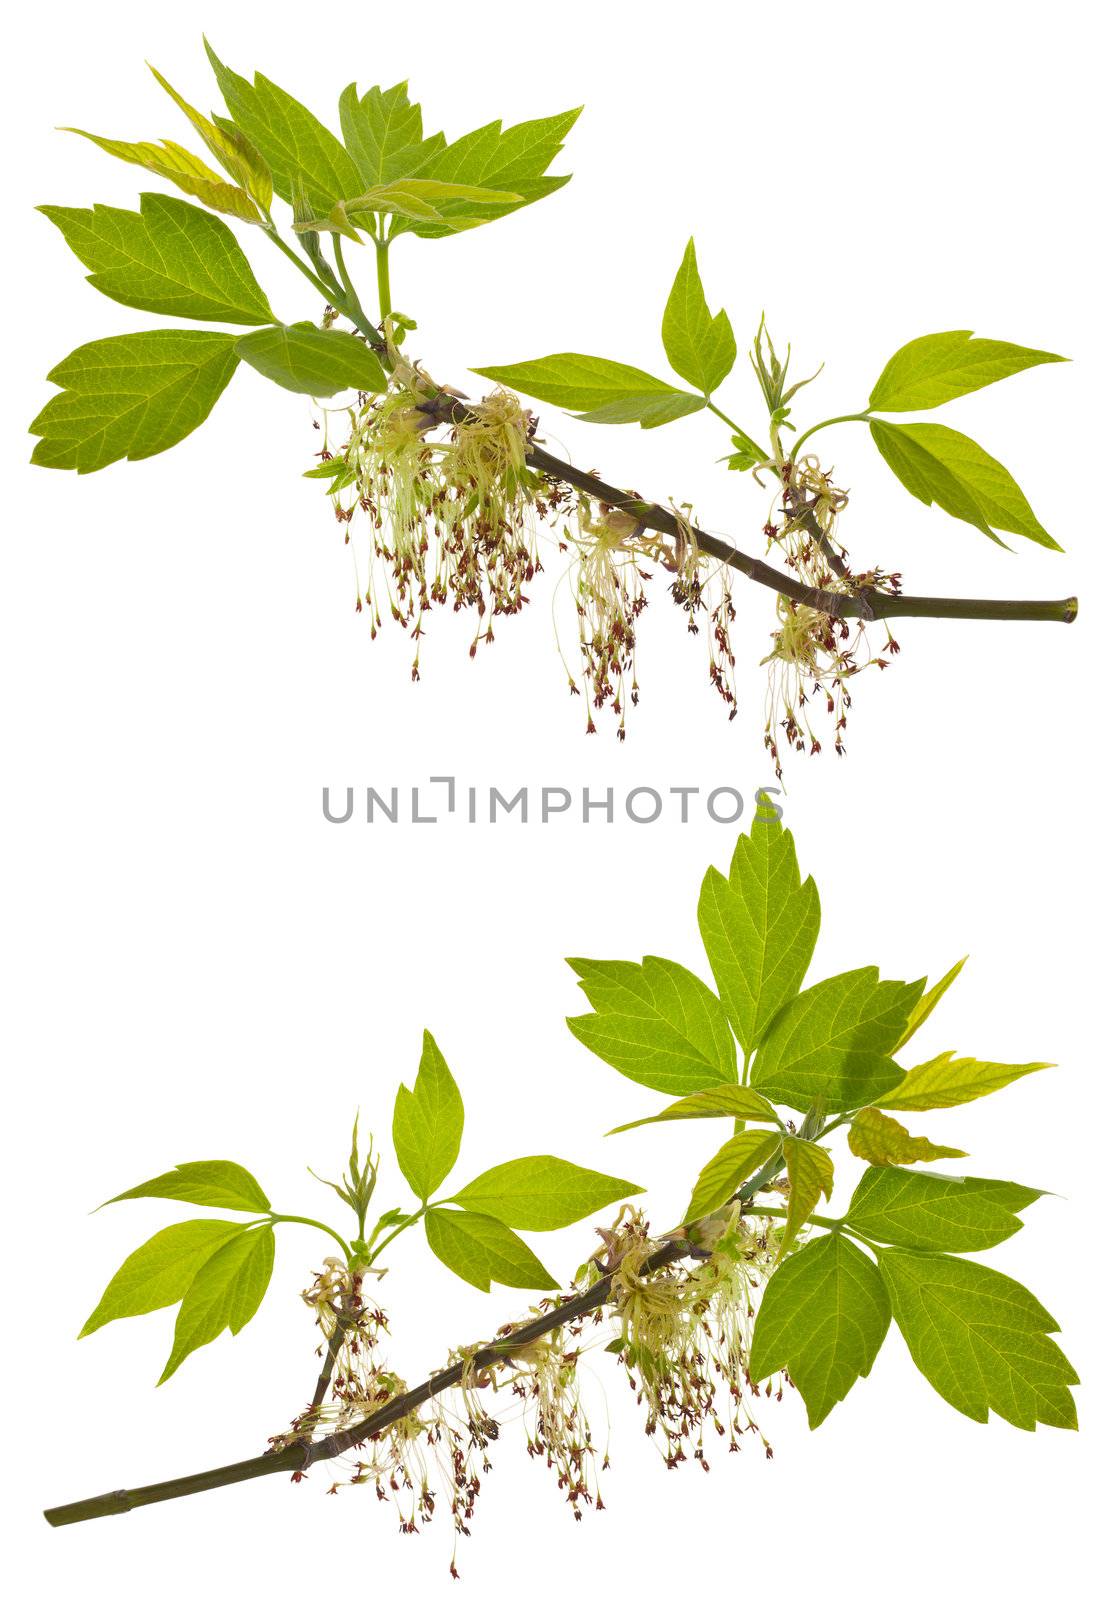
point(866, 604)
point(298, 1457)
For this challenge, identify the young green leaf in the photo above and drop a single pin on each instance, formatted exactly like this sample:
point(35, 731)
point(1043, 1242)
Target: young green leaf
point(202, 1183)
point(159, 1272)
point(537, 1193)
point(700, 347)
point(950, 1081)
point(656, 1023)
point(941, 366)
point(927, 1001)
point(226, 1292)
point(292, 141)
point(929, 1211)
point(314, 361)
point(727, 1100)
point(383, 133)
point(428, 1121)
point(170, 257)
point(759, 926)
point(483, 1251)
point(980, 1339)
point(831, 1047)
point(811, 1175)
point(186, 170)
point(823, 1317)
point(598, 390)
point(423, 198)
point(492, 157)
point(938, 464)
point(732, 1165)
point(237, 154)
point(132, 396)
point(884, 1142)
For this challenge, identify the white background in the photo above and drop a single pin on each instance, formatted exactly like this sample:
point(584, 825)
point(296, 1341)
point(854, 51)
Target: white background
point(198, 965)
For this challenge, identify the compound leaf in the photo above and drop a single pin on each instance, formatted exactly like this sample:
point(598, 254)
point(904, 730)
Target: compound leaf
point(759, 926)
point(428, 1121)
point(980, 1339)
point(170, 257)
point(314, 361)
point(831, 1047)
point(202, 1183)
point(483, 1251)
point(823, 1317)
point(700, 347)
point(656, 1023)
point(732, 1165)
point(929, 1211)
point(226, 1292)
point(159, 1272)
point(537, 1193)
point(949, 1080)
point(942, 366)
point(597, 389)
point(884, 1142)
point(938, 464)
point(131, 396)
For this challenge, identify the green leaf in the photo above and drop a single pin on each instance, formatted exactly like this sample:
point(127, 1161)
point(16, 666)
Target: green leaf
point(160, 1271)
point(292, 141)
point(656, 1023)
point(942, 366)
point(759, 927)
point(313, 361)
point(700, 347)
point(428, 1121)
point(727, 1100)
point(980, 1339)
point(929, 1211)
point(951, 1081)
point(884, 1142)
point(226, 1292)
point(492, 157)
point(938, 464)
point(927, 1002)
point(482, 1251)
point(170, 257)
point(830, 1048)
point(823, 1317)
point(603, 391)
point(732, 1165)
point(383, 132)
point(811, 1175)
point(132, 396)
point(186, 170)
point(237, 154)
point(202, 1183)
point(537, 1193)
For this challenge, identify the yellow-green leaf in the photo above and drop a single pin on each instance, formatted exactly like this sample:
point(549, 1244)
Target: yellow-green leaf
point(884, 1142)
point(483, 1251)
point(226, 1293)
point(926, 1002)
point(727, 1100)
point(236, 153)
point(159, 1272)
point(953, 1081)
point(732, 1165)
point(187, 171)
point(811, 1174)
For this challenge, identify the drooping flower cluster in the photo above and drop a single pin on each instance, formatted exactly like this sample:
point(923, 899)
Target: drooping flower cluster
point(816, 654)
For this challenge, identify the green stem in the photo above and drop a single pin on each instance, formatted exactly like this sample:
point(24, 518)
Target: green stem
point(311, 1222)
point(717, 412)
point(384, 293)
point(389, 1237)
point(344, 276)
point(853, 416)
point(352, 313)
point(834, 1223)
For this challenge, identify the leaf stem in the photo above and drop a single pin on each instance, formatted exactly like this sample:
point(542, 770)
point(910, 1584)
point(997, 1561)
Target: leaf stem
point(384, 293)
point(400, 1227)
point(834, 1223)
point(717, 412)
point(852, 416)
point(352, 313)
point(311, 1222)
